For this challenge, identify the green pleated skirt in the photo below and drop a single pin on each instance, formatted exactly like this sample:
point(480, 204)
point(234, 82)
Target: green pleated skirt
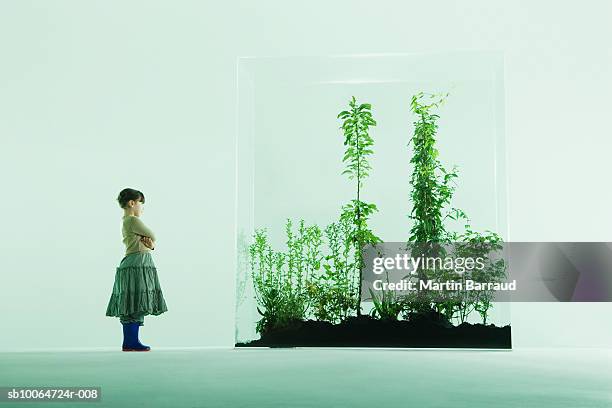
point(136, 291)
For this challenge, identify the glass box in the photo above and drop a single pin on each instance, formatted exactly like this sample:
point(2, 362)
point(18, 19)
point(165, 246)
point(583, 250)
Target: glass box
point(290, 149)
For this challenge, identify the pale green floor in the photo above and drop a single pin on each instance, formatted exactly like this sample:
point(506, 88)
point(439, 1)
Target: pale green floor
point(576, 378)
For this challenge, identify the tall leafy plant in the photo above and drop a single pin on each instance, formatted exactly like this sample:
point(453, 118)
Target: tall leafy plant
point(430, 181)
point(432, 190)
point(356, 124)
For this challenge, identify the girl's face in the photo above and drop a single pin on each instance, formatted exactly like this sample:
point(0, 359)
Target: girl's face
point(136, 207)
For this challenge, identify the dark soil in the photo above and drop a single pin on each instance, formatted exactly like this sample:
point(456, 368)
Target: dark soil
point(426, 331)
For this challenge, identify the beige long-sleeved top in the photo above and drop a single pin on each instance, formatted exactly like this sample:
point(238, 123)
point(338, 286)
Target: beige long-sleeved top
point(133, 228)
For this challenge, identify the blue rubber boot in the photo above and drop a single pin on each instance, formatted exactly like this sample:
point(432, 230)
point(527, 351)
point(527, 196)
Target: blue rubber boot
point(130, 338)
point(137, 341)
point(126, 336)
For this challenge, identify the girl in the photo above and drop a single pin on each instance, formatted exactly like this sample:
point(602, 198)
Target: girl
point(136, 291)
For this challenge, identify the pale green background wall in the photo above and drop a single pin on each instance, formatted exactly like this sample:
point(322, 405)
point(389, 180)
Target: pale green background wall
point(96, 96)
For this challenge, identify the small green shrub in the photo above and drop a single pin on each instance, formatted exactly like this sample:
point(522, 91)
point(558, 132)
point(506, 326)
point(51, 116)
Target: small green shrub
point(335, 290)
point(281, 279)
point(487, 246)
point(388, 307)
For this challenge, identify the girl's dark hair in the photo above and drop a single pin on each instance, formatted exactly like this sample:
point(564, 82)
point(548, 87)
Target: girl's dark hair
point(128, 194)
